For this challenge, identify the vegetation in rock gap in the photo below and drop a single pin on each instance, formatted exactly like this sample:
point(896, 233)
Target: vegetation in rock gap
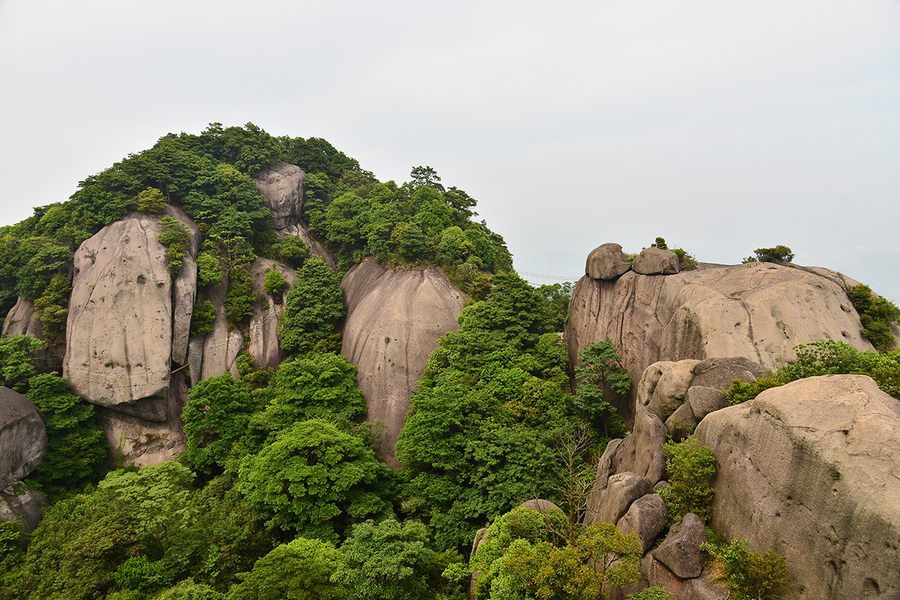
point(686, 261)
point(749, 575)
point(690, 468)
point(599, 374)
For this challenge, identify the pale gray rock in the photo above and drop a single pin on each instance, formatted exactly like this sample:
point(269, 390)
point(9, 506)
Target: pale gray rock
point(184, 292)
point(664, 385)
point(394, 320)
point(23, 506)
point(22, 320)
point(680, 551)
point(606, 262)
point(608, 464)
point(642, 450)
point(706, 587)
point(539, 505)
point(647, 517)
point(719, 372)
point(810, 470)
point(119, 334)
point(759, 311)
point(216, 353)
point(654, 261)
point(282, 186)
point(704, 400)
point(613, 501)
point(681, 423)
point(23, 437)
point(135, 441)
point(267, 310)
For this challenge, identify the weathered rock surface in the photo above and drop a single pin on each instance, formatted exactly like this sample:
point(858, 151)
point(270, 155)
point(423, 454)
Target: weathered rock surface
point(606, 262)
point(134, 441)
point(394, 320)
point(654, 261)
point(757, 311)
point(680, 551)
point(664, 385)
point(123, 321)
point(216, 352)
point(22, 320)
point(614, 500)
point(282, 186)
point(810, 470)
point(647, 517)
point(23, 437)
point(267, 310)
point(23, 506)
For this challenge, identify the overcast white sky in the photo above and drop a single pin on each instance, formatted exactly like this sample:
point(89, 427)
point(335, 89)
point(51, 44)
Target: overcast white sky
point(722, 126)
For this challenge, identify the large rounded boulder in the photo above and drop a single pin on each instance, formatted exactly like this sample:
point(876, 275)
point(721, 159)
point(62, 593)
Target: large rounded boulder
point(810, 470)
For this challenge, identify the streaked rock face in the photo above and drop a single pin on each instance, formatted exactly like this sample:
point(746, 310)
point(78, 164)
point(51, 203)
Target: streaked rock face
point(23, 437)
point(810, 470)
point(757, 311)
point(394, 320)
point(282, 185)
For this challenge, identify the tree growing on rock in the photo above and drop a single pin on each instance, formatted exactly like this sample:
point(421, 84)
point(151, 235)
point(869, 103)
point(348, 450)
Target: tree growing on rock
point(601, 372)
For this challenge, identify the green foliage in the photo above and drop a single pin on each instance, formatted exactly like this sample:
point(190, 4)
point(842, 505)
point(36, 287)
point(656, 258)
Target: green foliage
point(601, 369)
point(686, 262)
point(386, 561)
point(175, 236)
point(76, 444)
point(313, 309)
point(558, 296)
point(300, 570)
point(138, 574)
point(313, 479)
point(690, 468)
point(52, 310)
point(751, 576)
point(653, 593)
point(17, 354)
point(240, 298)
point(209, 271)
point(215, 417)
point(152, 201)
point(876, 314)
point(202, 318)
point(275, 284)
point(188, 590)
point(826, 358)
point(290, 251)
point(778, 254)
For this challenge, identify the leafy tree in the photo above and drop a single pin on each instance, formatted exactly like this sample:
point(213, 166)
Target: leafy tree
point(426, 176)
point(313, 309)
point(313, 479)
point(76, 444)
point(202, 318)
point(240, 298)
point(558, 296)
point(209, 271)
point(778, 254)
point(152, 201)
point(299, 570)
point(601, 368)
point(215, 417)
point(690, 468)
point(876, 314)
point(188, 590)
point(751, 576)
point(387, 561)
point(175, 236)
point(17, 355)
point(290, 251)
point(275, 284)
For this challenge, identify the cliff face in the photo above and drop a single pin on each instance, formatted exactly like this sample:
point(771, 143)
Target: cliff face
point(394, 320)
point(758, 311)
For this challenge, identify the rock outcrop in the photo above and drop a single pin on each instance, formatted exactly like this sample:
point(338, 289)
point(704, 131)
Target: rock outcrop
point(757, 311)
point(810, 470)
point(282, 185)
point(22, 320)
point(127, 318)
point(23, 437)
point(22, 506)
point(394, 320)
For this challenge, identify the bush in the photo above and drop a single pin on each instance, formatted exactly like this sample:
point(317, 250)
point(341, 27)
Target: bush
point(202, 318)
point(175, 236)
point(778, 254)
point(876, 315)
point(690, 468)
point(209, 271)
point(152, 201)
point(240, 297)
point(275, 284)
point(751, 576)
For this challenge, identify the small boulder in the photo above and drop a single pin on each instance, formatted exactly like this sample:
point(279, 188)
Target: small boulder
point(642, 451)
point(680, 551)
point(606, 262)
point(719, 372)
point(614, 500)
point(654, 261)
point(704, 400)
point(666, 386)
point(647, 517)
point(22, 505)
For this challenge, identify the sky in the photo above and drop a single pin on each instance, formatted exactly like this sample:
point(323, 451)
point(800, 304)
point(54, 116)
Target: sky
point(721, 126)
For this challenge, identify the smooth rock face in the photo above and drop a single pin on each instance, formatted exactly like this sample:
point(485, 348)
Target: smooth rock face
point(23, 437)
point(642, 450)
point(23, 506)
point(267, 310)
point(664, 385)
point(615, 499)
point(282, 185)
point(647, 517)
point(654, 261)
point(394, 320)
point(757, 311)
point(810, 470)
point(119, 334)
point(216, 352)
point(606, 262)
point(680, 551)
point(22, 320)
